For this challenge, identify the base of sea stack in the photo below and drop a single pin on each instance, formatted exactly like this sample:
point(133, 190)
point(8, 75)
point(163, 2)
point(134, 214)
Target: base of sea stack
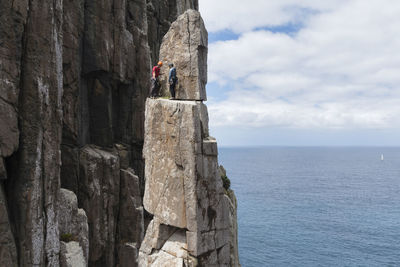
point(192, 211)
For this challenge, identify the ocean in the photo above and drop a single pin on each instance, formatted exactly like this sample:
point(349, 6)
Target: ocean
point(316, 206)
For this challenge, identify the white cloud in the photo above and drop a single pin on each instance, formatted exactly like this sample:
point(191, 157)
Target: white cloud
point(240, 16)
point(341, 70)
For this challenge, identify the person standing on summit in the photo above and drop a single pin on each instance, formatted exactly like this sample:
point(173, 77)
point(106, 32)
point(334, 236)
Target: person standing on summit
point(155, 84)
point(172, 80)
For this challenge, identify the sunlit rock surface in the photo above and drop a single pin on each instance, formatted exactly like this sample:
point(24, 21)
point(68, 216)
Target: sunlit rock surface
point(186, 46)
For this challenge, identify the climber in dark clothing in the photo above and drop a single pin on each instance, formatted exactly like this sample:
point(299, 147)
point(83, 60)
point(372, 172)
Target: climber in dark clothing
point(172, 80)
point(155, 84)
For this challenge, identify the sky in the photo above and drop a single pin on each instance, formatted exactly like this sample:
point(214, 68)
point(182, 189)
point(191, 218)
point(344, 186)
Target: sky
point(303, 72)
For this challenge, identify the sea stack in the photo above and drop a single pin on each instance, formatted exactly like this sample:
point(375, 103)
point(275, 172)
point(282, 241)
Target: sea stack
point(183, 190)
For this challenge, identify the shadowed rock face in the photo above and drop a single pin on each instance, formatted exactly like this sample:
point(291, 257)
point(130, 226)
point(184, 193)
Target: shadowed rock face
point(99, 191)
point(130, 228)
point(8, 251)
point(107, 65)
point(12, 19)
point(33, 180)
point(13, 16)
point(74, 77)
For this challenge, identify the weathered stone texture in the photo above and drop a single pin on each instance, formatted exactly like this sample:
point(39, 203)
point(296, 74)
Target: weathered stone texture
point(99, 189)
point(70, 168)
point(73, 221)
point(173, 139)
point(234, 247)
point(73, 25)
point(156, 235)
point(165, 246)
point(8, 250)
point(13, 15)
point(34, 182)
point(74, 78)
point(183, 5)
point(189, 39)
point(128, 255)
point(160, 15)
point(9, 129)
point(106, 80)
point(3, 171)
point(130, 220)
point(183, 186)
point(71, 255)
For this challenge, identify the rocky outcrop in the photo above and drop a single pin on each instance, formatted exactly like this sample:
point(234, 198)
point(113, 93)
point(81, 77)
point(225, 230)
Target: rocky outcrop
point(74, 77)
point(172, 149)
point(99, 190)
point(106, 81)
point(3, 171)
point(72, 255)
point(131, 219)
point(233, 243)
point(111, 198)
point(165, 246)
point(106, 71)
point(193, 223)
point(160, 15)
point(188, 36)
point(34, 171)
point(8, 250)
point(230, 195)
point(12, 19)
point(73, 223)
point(13, 16)
point(183, 190)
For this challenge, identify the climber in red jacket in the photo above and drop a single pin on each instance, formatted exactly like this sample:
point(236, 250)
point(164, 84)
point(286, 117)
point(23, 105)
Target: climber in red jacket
point(155, 84)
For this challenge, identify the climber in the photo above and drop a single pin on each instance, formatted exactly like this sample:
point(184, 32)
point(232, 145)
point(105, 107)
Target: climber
point(172, 79)
point(155, 84)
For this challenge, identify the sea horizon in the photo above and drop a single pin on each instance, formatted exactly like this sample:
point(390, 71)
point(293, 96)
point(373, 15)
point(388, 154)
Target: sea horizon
point(308, 146)
point(316, 206)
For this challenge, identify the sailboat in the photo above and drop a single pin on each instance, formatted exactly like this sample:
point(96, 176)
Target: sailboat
point(381, 156)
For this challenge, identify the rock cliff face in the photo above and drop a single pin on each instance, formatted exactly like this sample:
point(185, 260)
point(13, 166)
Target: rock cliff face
point(74, 77)
point(184, 190)
point(194, 221)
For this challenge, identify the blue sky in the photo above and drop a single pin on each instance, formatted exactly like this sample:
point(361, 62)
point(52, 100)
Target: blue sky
point(303, 72)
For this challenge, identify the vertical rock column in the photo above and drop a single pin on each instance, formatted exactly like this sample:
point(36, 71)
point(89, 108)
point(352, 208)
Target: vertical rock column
point(13, 15)
point(160, 15)
point(34, 180)
point(99, 196)
point(191, 224)
point(183, 189)
point(186, 46)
